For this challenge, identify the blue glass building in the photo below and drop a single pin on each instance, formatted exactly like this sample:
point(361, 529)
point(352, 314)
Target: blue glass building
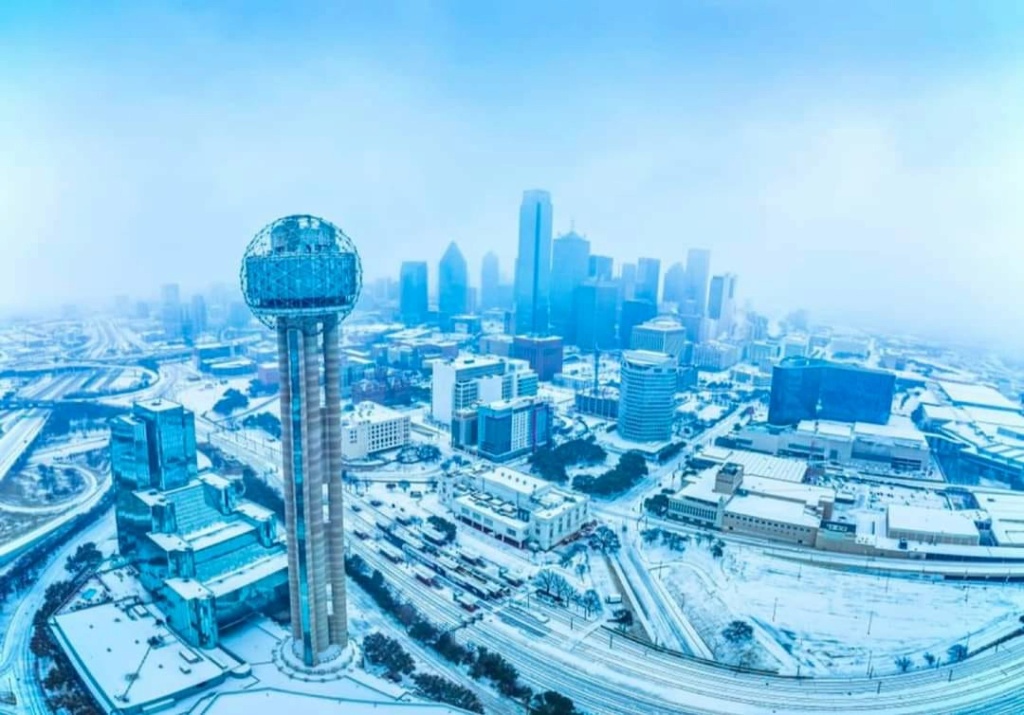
point(804, 389)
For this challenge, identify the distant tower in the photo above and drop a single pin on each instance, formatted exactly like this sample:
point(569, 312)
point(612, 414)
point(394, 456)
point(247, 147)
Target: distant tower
point(533, 263)
point(490, 282)
point(452, 286)
point(698, 273)
point(412, 298)
point(302, 276)
point(571, 255)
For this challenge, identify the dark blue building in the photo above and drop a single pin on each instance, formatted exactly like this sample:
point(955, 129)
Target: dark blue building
point(805, 389)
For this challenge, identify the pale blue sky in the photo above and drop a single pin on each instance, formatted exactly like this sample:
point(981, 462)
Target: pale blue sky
point(864, 160)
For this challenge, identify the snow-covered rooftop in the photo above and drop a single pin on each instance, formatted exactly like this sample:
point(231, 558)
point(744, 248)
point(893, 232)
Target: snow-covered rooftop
point(757, 464)
point(929, 521)
point(961, 393)
point(127, 657)
point(778, 510)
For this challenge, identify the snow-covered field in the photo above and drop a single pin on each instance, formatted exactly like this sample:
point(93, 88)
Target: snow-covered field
point(201, 396)
point(826, 621)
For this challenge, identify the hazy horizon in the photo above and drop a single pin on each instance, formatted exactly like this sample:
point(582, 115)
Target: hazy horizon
point(862, 162)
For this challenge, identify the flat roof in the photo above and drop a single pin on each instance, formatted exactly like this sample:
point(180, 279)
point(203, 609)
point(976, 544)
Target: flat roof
point(756, 464)
point(929, 521)
point(520, 482)
point(128, 657)
point(963, 393)
point(778, 510)
point(158, 404)
point(248, 573)
point(1007, 512)
point(372, 412)
point(647, 357)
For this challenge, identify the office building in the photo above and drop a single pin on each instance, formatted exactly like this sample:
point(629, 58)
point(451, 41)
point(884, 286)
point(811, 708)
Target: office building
point(675, 285)
point(660, 335)
point(647, 396)
point(413, 303)
point(757, 327)
point(507, 429)
point(369, 428)
point(648, 279)
point(467, 381)
point(452, 286)
point(198, 315)
point(533, 264)
point(764, 354)
point(697, 327)
point(490, 282)
point(601, 268)
point(571, 258)
point(796, 346)
point(805, 389)
point(698, 273)
point(543, 354)
point(594, 305)
point(634, 312)
point(722, 302)
point(513, 507)
point(207, 557)
point(170, 311)
point(301, 276)
point(627, 282)
point(715, 356)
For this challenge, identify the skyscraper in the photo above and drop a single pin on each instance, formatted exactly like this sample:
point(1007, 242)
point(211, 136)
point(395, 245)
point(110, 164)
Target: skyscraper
point(698, 272)
point(601, 268)
point(452, 285)
point(675, 285)
point(594, 305)
point(647, 396)
point(722, 301)
point(571, 257)
point(490, 282)
point(648, 276)
point(198, 314)
point(412, 298)
point(533, 263)
point(634, 312)
point(804, 389)
point(627, 282)
point(170, 311)
point(301, 276)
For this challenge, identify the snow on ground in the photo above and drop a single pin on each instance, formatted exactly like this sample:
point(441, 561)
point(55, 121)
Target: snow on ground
point(201, 396)
point(828, 621)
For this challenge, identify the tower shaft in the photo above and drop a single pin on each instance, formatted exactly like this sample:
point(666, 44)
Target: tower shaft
point(310, 440)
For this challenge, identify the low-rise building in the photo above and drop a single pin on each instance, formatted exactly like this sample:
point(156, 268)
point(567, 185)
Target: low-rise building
point(370, 428)
point(715, 356)
point(930, 526)
point(514, 507)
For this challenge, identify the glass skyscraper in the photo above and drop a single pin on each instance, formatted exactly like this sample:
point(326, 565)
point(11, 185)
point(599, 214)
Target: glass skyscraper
point(805, 389)
point(533, 263)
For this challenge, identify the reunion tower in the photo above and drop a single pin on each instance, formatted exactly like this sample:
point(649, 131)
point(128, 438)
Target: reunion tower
point(301, 276)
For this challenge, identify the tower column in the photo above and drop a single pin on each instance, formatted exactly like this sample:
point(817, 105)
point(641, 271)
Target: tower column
point(312, 448)
point(335, 487)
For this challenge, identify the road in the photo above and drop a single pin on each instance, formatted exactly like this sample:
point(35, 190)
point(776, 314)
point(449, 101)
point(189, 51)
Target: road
point(16, 660)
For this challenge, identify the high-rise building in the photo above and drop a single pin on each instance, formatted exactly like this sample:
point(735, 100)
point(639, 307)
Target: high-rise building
point(452, 286)
point(571, 258)
point(467, 381)
point(660, 335)
point(634, 312)
point(627, 282)
point(533, 263)
point(722, 302)
point(600, 268)
point(715, 356)
point(175, 527)
point(648, 277)
point(170, 311)
point(594, 305)
point(507, 429)
point(698, 273)
point(804, 389)
point(647, 396)
point(301, 276)
point(675, 285)
point(198, 315)
point(490, 282)
point(413, 303)
point(758, 326)
point(543, 353)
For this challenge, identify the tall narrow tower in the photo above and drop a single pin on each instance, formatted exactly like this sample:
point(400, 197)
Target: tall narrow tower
point(301, 276)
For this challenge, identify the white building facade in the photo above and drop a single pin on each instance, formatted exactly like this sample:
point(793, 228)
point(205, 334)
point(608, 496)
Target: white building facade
point(371, 428)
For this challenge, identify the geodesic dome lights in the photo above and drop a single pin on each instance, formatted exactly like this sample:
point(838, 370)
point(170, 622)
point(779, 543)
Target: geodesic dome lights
point(300, 268)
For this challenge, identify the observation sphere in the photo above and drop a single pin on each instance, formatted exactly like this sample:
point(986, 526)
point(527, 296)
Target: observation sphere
point(301, 269)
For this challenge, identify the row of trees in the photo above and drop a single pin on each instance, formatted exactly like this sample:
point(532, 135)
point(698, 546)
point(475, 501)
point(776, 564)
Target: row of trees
point(482, 663)
point(632, 467)
point(64, 691)
point(550, 463)
point(231, 400)
point(555, 585)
